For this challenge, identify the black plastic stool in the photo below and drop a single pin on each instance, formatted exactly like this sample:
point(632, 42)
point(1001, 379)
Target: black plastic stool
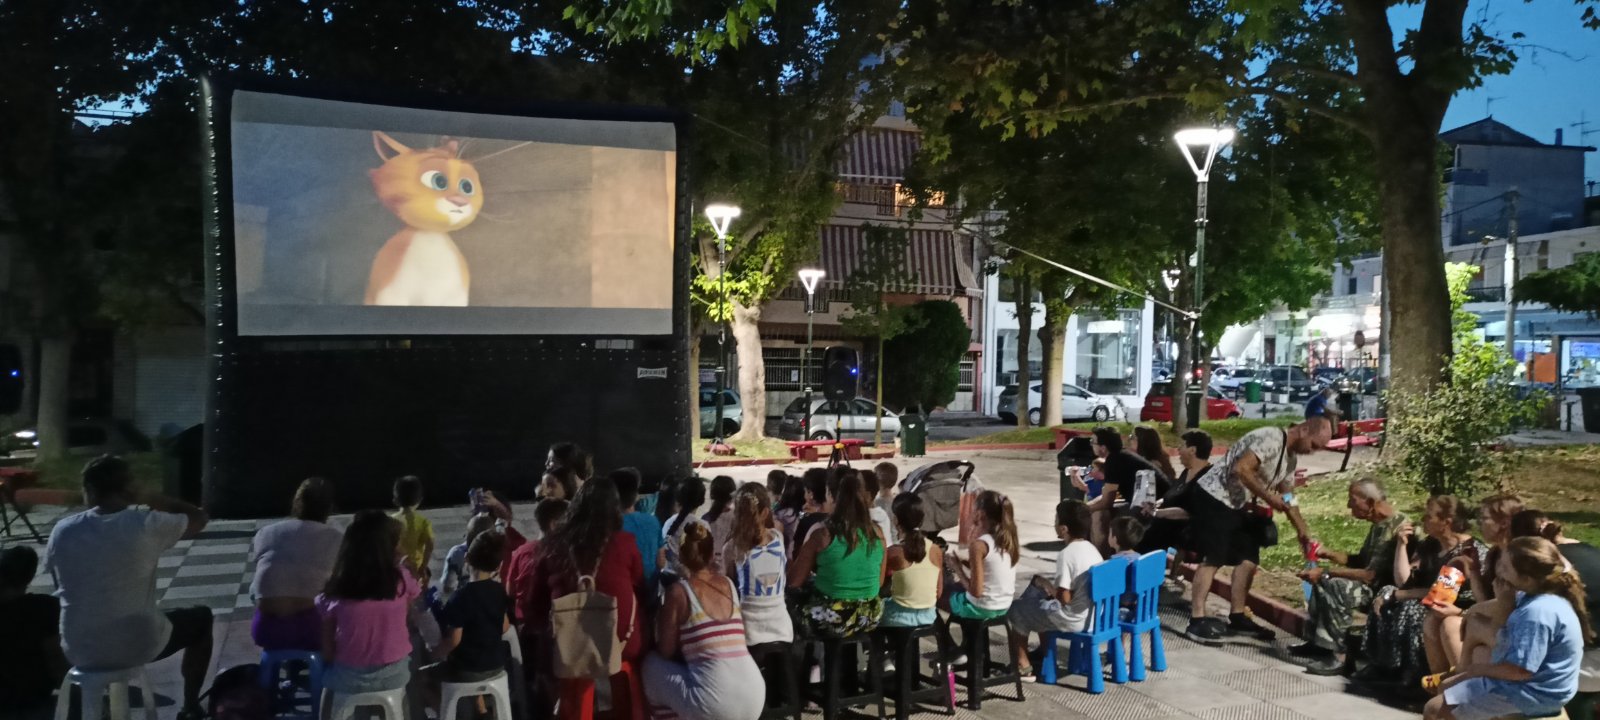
point(779, 666)
point(977, 678)
point(911, 687)
point(838, 655)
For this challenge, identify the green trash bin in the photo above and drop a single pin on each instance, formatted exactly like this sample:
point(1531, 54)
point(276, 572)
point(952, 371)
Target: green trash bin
point(913, 435)
point(1252, 391)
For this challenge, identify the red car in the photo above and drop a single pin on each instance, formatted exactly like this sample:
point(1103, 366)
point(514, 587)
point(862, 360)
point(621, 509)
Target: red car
point(1158, 405)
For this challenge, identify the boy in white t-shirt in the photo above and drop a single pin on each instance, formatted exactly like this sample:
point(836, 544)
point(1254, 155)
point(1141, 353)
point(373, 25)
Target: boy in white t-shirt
point(1062, 605)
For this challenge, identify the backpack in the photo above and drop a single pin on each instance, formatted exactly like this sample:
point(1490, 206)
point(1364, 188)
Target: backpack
point(236, 694)
point(583, 629)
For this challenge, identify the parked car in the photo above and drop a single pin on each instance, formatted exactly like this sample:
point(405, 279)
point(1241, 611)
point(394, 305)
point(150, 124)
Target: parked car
point(1233, 383)
point(1076, 404)
point(831, 419)
point(731, 412)
point(1325, 376)
point(1287, 379)
point(1158, 405)
point(85, 437)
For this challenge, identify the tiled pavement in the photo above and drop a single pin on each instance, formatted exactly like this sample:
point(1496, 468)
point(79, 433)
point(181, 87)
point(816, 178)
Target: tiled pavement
point(1244, 680)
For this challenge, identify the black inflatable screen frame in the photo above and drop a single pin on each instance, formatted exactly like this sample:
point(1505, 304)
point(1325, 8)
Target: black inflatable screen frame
point(461, 411)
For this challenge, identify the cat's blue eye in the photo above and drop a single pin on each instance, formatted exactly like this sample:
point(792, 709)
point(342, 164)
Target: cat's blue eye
point(467, 188)
point(435, 180)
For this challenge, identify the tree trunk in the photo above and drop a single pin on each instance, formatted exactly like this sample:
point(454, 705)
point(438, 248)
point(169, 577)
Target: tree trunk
point(1054, 338)
point(694, 384)
point(1180, 376)
point(1413, 259)
point(752, 372)
point(55, 375)
point(1024, 305)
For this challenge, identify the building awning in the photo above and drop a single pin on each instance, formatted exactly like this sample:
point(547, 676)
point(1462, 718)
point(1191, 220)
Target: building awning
point(878, 155)
point(931, 259)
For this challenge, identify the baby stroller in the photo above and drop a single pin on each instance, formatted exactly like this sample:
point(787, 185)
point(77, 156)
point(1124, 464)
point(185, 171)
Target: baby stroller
point(941, 485)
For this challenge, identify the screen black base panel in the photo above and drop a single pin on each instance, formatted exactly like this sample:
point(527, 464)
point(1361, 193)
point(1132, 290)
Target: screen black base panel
point(460, 411)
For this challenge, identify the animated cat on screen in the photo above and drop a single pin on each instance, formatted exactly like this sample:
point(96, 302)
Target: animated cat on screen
point(434, 192)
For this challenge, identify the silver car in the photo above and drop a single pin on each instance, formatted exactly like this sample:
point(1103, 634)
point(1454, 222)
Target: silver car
point(1076, 404)
point(731, 412)
point(831, 419)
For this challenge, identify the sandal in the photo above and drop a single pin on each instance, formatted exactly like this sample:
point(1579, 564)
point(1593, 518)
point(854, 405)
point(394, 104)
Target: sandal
point(1026, 671)
point(1432, 683)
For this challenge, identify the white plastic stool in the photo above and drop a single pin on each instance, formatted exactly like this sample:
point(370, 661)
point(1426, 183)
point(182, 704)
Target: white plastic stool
point(496, 687)
point(343, 705)
point(519, 678)
point(95, 684)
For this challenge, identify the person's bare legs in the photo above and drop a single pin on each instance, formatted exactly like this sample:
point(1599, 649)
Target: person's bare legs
point(196, 661)
point(1203, 576)
point(1019, 647)
point(1243, 577)
point(1433, 644)
point(1450, 640)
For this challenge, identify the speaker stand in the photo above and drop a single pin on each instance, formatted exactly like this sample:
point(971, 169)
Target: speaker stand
point(837, 456)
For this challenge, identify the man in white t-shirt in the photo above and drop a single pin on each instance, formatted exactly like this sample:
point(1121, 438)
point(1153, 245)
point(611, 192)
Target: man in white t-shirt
point(1062, 605)
point(1259, 466)
point(104, 560)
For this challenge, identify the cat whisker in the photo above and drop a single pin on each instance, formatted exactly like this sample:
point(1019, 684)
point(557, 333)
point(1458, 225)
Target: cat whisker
point(517, 146)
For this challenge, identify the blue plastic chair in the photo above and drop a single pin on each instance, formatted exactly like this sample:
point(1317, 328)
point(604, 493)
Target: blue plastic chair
point(272, 669)
point(1107, 583)
point(1144, 583)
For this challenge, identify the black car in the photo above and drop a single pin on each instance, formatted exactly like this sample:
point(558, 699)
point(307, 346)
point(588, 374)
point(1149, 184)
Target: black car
point(1287, 379)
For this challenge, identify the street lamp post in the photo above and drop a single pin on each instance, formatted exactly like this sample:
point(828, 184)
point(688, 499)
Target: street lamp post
point(808, 277)
point(1170, 278)
point(721, 216)
point(1200, 147)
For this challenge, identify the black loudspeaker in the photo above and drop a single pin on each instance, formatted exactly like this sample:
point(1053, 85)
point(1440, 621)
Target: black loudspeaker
point(839, 373)
point(10, 379)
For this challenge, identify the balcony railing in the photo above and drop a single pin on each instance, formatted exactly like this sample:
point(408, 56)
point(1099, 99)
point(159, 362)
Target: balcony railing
point(1496, 293)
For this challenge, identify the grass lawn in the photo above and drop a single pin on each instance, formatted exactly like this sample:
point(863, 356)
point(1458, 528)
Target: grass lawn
point(1562, 481)
point(767, 448)
point(1222, 431)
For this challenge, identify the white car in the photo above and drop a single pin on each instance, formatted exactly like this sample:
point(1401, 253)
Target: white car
point(731, 412)
point(1076, 404)
point(831, 419)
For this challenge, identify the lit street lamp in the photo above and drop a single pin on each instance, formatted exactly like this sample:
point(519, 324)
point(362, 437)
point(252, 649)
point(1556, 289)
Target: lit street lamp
point(721, 216)
point(1200, 147)
point(808, 277)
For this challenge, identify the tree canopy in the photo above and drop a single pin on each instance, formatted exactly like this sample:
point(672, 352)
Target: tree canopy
point(1574, 288)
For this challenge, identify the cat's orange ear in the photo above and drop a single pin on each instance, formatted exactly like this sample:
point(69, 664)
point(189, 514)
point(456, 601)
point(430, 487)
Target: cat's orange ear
point(450, 145)
point(381, 139)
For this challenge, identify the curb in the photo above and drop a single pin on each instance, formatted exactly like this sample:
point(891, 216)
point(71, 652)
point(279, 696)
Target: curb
point(723, 462)
point(1282, 616)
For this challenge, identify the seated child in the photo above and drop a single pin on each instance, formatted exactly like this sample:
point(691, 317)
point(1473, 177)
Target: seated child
point(32, 664)
point(366, 610)
point(456, 572)
point(475, 621)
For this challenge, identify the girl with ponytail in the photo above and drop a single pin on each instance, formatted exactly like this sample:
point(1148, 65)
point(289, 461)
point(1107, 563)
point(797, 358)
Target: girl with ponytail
point(1532, 670)
point(756, 560)
point(985, 581)
point(718, 517)
point(914, 569)
point(691, 495)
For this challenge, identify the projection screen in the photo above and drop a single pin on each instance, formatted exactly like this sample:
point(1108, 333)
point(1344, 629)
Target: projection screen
point(362, 219)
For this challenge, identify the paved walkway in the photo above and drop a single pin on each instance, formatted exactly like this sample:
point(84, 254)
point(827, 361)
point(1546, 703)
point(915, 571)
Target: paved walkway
point(1243, 680)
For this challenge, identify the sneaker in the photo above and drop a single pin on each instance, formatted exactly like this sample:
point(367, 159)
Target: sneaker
point(1326, 666)
point(816, 675)
point(1204, 630)
point(888, 667)
point(1243, 624)
point(958, 661)
point(1304, 649)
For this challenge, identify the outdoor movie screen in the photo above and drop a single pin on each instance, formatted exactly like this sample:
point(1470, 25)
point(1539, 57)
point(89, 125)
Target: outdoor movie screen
point(358, 219)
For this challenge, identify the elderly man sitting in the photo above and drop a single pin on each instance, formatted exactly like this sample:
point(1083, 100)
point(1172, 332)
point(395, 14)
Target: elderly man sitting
point(1337, 592)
